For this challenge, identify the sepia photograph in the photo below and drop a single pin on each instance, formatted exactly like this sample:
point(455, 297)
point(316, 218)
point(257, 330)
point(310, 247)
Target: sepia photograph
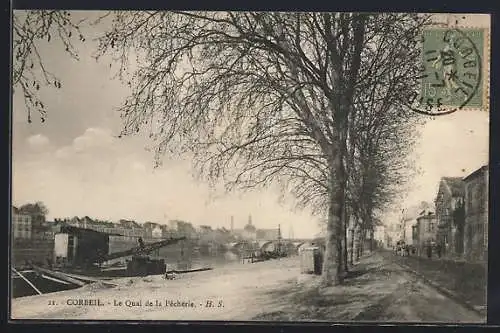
point(249, 166)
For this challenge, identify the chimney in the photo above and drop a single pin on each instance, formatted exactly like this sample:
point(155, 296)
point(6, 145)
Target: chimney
point(232, 223)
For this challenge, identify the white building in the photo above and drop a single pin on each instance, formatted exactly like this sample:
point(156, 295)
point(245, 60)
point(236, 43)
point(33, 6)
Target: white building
point(157, 232)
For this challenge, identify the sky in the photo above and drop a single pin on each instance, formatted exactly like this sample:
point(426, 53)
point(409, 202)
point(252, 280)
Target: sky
point(76, 165)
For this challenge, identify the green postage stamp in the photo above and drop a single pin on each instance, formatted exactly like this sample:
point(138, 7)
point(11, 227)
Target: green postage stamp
point(454, 69)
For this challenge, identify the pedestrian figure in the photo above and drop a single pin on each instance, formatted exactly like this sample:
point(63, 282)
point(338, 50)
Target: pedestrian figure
point(438, 250)
point(429, 251)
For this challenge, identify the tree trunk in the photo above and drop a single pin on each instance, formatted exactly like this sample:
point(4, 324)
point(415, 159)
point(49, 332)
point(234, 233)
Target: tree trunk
point(357, 237)
point(371, 240)
point(352, 246)
point(332, 262)
point(344, 241)
point(361, 242)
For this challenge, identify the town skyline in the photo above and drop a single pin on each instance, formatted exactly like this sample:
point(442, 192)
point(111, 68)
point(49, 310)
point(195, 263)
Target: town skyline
point(167, 223)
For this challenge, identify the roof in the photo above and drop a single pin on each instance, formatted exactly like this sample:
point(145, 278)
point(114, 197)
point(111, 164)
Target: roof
point(476, 173)
point(76, 231)
point(456, 185)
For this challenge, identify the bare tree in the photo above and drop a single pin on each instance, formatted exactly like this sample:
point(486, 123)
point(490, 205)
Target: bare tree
point(382, 138)
point(29, 73)
point(257, 97)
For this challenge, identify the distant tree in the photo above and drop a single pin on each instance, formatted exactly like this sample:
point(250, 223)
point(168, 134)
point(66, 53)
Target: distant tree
point(29, 72)
point(35, 209)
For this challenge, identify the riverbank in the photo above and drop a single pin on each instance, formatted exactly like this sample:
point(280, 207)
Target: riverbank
point(233, 292)
point(274, 290)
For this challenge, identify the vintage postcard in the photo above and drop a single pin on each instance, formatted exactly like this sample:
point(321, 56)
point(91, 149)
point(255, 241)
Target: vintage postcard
point(250, 166)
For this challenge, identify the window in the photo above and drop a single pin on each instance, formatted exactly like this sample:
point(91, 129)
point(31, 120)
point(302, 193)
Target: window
point(481, 193)
point(469, 197)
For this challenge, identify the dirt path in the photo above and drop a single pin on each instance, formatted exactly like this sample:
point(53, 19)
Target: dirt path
point(415, 301)
point(377, 291)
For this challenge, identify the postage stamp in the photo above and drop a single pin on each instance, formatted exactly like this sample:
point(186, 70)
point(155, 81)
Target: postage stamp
point(452, 67)
point(454, 71)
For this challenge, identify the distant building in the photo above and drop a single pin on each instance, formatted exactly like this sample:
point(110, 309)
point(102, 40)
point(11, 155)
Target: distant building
point(182, 228)
point(37, 215)
point(238, 234)
point(129, 224)
point(476, 214)
point(405, 229)
point(425, 231)
point(204, 229)
point(21, 224)
point(392, 235)
point(249, 231)
point(409, 220)
point(157, 232)
point(166, 232)
point(148, 229)
point(379, 235)
point(173, 224)
point(414, 234)
point(449, 202)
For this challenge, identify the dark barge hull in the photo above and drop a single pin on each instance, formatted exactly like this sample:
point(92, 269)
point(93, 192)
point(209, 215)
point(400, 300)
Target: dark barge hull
point(44, 283)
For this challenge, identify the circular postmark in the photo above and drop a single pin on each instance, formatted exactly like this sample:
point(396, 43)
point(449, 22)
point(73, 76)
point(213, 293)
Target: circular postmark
point(449, 73)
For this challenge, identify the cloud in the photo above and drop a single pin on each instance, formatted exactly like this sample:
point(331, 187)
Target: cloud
point(92, 138)
point(38, 141)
